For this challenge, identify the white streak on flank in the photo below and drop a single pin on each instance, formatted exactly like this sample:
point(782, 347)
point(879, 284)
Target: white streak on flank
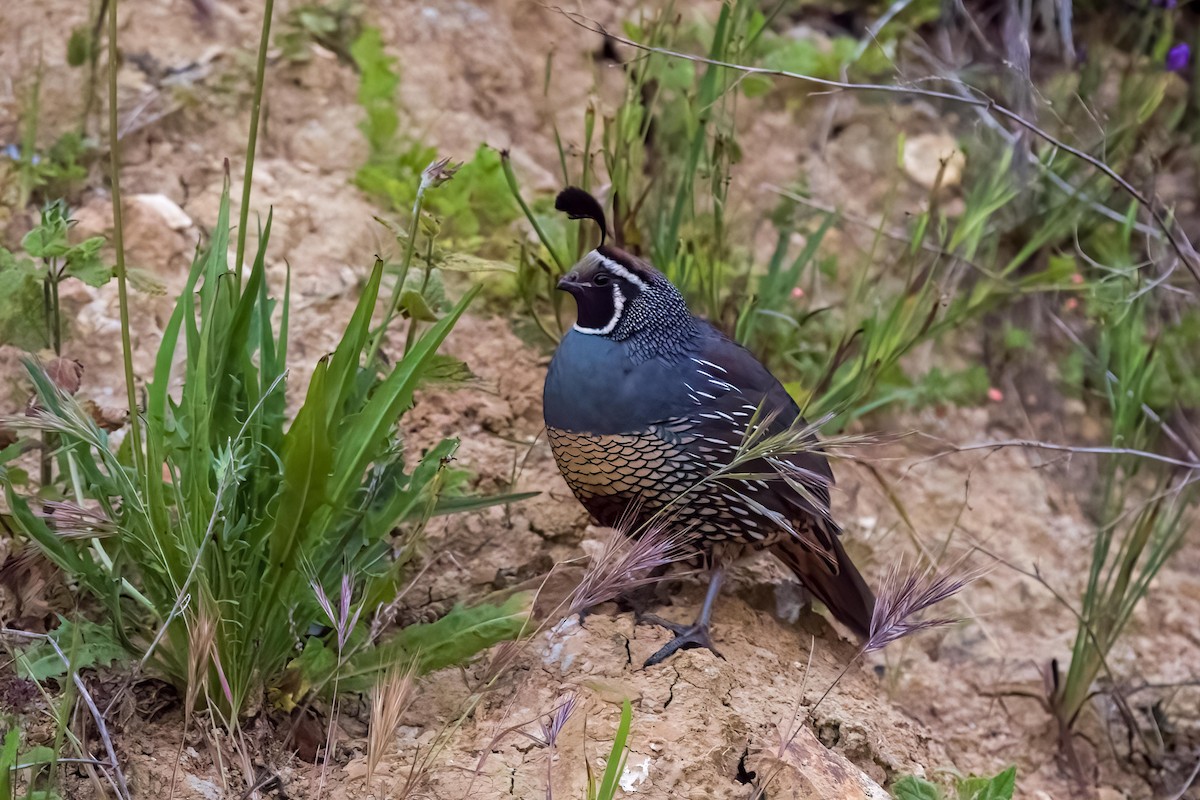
point(618, 307)
point(709, 364)
point(706, 394)
point(726, 385)
point(622, 272)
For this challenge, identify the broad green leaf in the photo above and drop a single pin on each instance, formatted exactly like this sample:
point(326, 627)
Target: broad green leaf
point(307, 458)
point(453, 639)
point(910, 787)
point(85, 643)
point(1000, 787)
point(38, 755)
point(49, 239)
point(84, 263)
point(8, 758)
point(344, 363)
point(414, 304)
point(22, 322)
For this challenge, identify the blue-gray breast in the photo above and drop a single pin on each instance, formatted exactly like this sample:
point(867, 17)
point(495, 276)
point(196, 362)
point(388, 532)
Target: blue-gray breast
point(644, 402)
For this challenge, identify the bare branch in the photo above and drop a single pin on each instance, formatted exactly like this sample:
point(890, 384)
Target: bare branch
point(1062, 448)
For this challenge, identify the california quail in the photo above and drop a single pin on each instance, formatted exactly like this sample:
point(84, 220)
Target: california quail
point(643, 401)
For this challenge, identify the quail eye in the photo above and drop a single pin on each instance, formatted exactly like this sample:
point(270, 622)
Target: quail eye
point(602, 279)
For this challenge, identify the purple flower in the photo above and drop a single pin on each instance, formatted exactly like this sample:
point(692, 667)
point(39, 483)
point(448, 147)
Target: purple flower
point(1167, 4)
point(1178, 57)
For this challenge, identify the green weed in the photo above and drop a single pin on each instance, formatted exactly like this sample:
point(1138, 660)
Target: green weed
point(30, 314)
point(476, 204)
point(998, 787)
point(38, 761)
point(334, 26)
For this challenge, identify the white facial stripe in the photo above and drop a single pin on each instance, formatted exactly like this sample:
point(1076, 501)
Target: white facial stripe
point(618, 307)
point(621, 272)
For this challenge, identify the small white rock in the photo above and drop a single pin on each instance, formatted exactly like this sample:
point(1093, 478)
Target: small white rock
point(923, 157)
point(175, 217)
point(206, 789)
point(636, 773)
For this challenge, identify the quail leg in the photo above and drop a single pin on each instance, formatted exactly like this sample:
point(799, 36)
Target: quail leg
point(694, 635)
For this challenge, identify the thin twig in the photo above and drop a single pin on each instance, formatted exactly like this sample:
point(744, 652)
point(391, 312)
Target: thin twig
point(1062, 448)
point(1178, 242)
point(119, 271)
point(894, 234)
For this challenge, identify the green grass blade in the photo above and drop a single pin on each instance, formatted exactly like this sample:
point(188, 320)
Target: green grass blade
point(616, 756)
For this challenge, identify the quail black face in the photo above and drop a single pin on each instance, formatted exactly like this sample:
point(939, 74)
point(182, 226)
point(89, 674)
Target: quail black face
point(604, 290)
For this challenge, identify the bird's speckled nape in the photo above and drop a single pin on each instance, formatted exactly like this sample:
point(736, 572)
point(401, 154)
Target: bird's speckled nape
point(659, 323)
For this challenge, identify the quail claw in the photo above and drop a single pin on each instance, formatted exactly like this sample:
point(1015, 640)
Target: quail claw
point(687, 637)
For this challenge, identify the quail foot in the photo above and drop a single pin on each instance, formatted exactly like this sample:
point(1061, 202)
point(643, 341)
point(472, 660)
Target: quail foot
point(643, 401)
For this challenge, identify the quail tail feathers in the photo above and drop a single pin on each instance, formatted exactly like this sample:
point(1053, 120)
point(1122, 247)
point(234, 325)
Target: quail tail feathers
point(844, 593)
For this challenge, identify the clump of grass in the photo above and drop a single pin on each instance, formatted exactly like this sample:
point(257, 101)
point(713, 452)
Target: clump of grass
point(291, 505)
point(1144, 508)
point(334, 26)
point(216, 527)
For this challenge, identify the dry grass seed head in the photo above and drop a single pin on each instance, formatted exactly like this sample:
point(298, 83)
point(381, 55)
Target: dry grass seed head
point(903, 594)
point(389, 700)
point(72, 521)
point(626, 562)
point(553, 723)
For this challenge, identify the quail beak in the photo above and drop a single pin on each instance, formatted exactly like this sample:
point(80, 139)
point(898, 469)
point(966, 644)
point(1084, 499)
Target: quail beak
point(570, 283)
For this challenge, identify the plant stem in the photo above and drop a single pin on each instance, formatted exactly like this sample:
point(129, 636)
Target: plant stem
point(55, 310)
point(394, 302)
point(511, 178)
point(114, 160)
point(252, 140)
point(413, 324)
